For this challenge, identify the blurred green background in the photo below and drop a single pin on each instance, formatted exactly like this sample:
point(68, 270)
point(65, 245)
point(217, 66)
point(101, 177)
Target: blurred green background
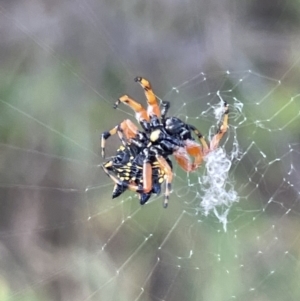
point(63, 65)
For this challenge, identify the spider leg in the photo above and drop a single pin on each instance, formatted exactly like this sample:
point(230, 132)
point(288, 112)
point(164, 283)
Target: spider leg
point(183, 159)
point(200, 137)
point(147, 177)
point(165, 109)
point(194, 150)
point(222, 129)
point(140, 111)
point(157, 179)
point(126, 128)
point(182, 155)
point(168, 175)
point(153, 107)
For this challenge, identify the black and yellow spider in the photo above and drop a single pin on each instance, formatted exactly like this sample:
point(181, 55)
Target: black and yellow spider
point(161, 137)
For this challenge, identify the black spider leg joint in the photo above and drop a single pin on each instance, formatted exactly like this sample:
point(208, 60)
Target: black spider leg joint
point(105, 135)
point(116, 104)
point(226, 107)
point(169, 188)
point(138, 79)
point(164, 110)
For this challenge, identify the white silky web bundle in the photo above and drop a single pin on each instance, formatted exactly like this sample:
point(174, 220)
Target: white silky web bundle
point(218, 191)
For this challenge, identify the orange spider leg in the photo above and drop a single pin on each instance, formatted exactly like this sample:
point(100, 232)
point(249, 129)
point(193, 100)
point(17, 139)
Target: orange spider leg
point(201, 139)
point(153, 107)
point(168, 176)
point(140, 111)
point(126, 127)
point(183, 159)
point(129, 129)
point(194, 150)
point(182, 155)
point(222, 130)
point(147, 177)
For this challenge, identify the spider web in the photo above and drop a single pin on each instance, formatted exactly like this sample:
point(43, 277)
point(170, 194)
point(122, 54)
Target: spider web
point(231, 229)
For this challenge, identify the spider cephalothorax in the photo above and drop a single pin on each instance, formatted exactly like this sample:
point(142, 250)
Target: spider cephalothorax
point(149, 150)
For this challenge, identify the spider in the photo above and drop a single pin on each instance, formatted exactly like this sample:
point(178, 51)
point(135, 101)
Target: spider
point(161, 137)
